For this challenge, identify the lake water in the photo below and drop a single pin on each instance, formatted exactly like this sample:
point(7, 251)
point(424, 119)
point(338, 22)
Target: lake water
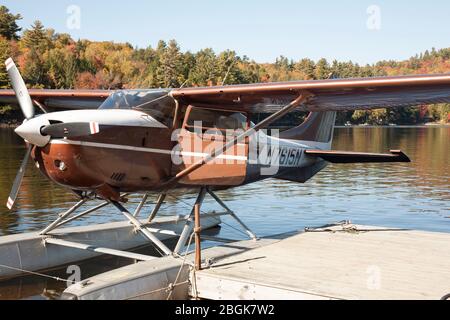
point(405, 195)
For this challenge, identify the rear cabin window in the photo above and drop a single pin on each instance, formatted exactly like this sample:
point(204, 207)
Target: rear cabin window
point(210, 120)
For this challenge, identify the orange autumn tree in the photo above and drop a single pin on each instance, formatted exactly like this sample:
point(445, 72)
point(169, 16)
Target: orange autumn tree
point(48, 59)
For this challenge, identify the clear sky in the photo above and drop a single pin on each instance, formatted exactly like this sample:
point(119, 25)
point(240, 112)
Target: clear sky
point(358, 30)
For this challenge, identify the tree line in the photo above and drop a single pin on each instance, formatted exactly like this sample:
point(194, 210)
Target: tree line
point(48, 59)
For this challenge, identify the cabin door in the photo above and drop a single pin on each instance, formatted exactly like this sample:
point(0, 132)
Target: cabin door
point(205, 130)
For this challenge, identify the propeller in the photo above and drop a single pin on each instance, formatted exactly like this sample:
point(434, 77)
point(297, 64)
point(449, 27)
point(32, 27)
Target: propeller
point(38, 131)
point(18, 180)
point(20, 89)
point(27, 107)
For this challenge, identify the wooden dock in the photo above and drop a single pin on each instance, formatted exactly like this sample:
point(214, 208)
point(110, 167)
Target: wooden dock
point(350, 262)
point(339, 262)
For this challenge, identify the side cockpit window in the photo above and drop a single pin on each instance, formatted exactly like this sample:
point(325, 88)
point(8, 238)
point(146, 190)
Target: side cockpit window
point(211, 119)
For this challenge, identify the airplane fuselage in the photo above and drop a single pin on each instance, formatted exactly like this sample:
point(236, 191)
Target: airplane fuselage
point(133, 152)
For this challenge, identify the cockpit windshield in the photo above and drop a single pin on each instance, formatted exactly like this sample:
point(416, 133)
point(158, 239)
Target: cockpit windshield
point(155, 102)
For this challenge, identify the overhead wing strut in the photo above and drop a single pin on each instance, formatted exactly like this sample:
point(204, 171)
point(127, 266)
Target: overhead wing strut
point(303, 97)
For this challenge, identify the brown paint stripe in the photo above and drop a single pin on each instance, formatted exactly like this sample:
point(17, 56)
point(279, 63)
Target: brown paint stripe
point(416, 80)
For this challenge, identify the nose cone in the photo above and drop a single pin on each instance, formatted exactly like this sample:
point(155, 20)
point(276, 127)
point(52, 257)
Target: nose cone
point(31, 131)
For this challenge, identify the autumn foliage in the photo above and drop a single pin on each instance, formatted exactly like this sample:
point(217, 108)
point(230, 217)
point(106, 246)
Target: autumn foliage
point(48, 59)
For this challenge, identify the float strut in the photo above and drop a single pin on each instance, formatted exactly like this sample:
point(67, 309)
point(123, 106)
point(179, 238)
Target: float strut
point(141, 205)
point(232, 214)
point(158, 205)
point(185, 234)
point(142, 228)
point(62, 216)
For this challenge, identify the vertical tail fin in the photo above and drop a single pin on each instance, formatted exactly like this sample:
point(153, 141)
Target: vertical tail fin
point(318, 127)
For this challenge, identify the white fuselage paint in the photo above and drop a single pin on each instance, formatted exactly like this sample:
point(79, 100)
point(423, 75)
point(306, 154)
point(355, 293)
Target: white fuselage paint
point(30, 130)
point(285, 153)
point(106, 117)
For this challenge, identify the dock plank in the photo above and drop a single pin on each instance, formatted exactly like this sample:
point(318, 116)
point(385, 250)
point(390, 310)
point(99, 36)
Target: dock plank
point(378, 264)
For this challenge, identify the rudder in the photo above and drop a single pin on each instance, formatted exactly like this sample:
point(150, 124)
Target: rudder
point(318, 127)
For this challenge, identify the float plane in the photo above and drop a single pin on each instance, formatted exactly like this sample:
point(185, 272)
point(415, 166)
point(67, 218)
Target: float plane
point(200, 138)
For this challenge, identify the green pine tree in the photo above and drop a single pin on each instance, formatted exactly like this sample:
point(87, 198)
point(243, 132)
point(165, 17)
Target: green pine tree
point(8, 24)
point(204, 73)
point(4, 54)
point(36, 37)
point(170, 71)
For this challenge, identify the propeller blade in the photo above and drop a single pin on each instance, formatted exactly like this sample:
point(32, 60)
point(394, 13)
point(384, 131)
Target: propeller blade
point(20, 89)
point(18, 181)
point(69, 130)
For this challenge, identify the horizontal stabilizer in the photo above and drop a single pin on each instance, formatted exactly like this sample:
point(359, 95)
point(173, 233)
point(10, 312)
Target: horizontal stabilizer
point(358, 157)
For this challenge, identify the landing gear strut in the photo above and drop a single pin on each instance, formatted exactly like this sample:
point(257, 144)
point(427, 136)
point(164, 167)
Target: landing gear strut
point(140, 226)
point(193, 224)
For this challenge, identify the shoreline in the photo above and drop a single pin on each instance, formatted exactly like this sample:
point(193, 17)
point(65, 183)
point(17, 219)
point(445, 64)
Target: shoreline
point(9, 125)
point(426, 125)
point(422, 125)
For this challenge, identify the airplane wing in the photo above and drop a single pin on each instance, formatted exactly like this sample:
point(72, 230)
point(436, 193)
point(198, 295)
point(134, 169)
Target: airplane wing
point(327, 95)
point(358, 157)
point(61, 99)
